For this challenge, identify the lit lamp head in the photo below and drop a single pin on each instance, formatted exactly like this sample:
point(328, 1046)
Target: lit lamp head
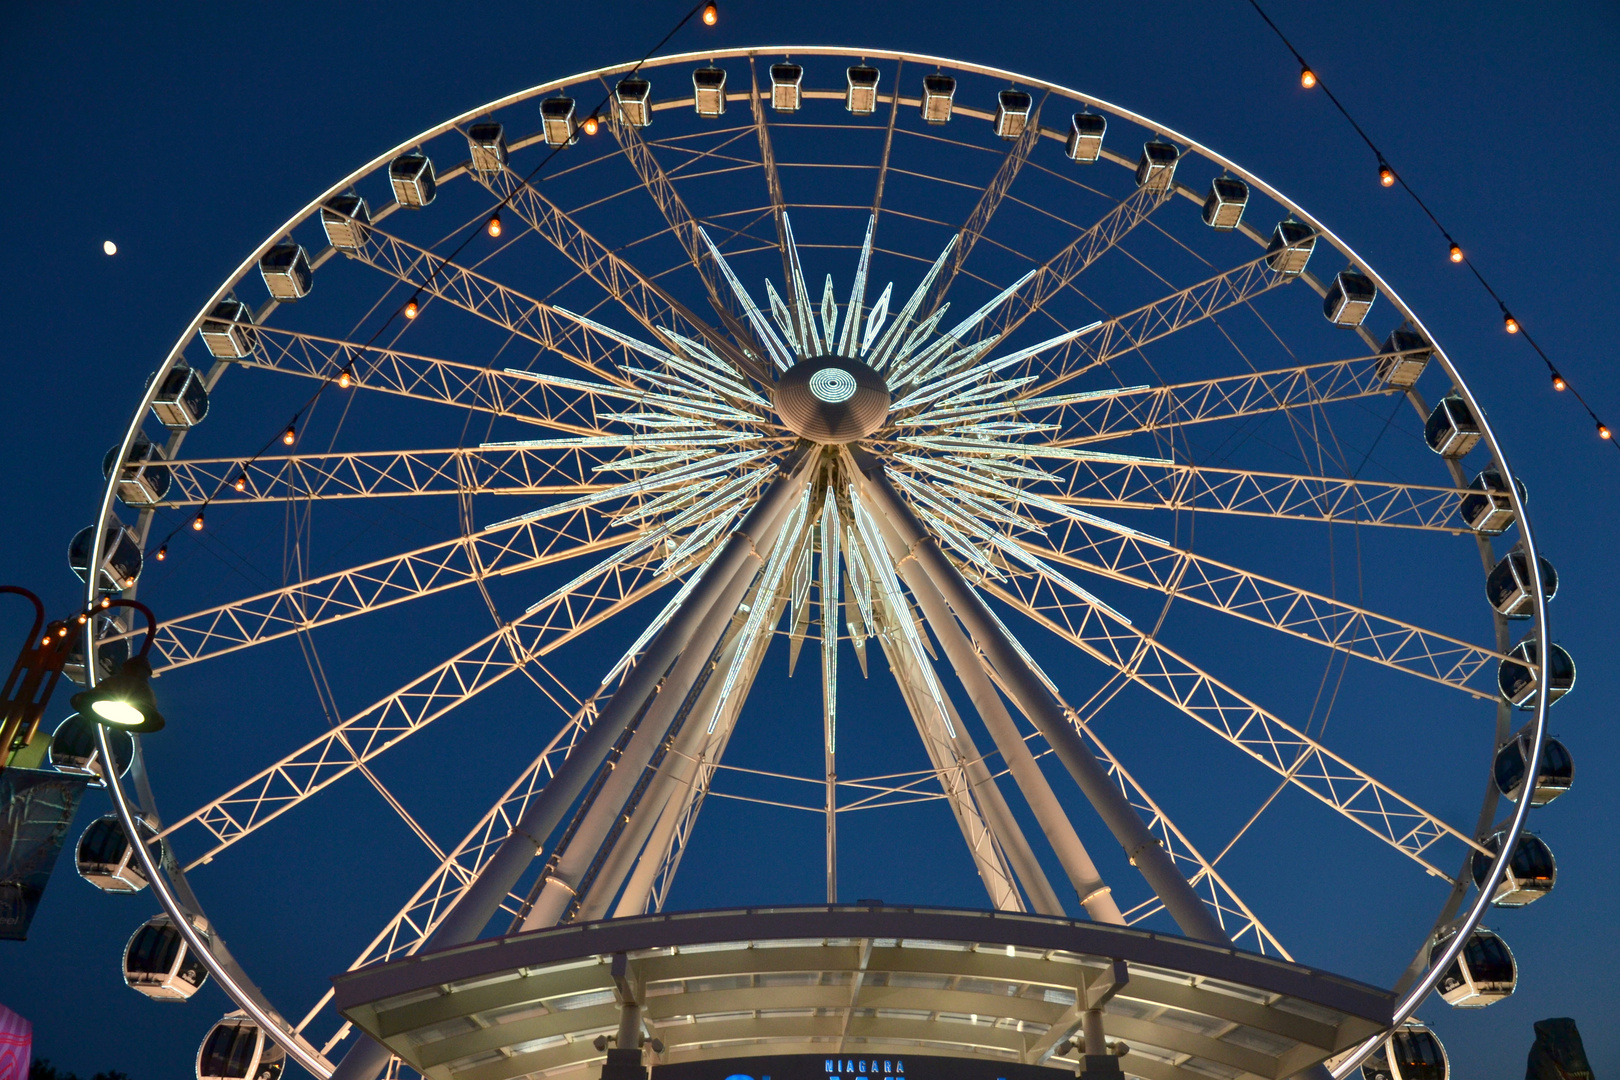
point(123, 701)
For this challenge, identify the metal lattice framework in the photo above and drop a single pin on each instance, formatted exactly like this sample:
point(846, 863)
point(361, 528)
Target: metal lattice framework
point(1114, 452)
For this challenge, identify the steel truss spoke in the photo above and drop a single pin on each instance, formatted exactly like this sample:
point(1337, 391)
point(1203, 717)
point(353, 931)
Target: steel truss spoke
point(1150, 322)
point(1150, 485)
point(1303, 761)
point(1149, 563)
point(574, 409)
point(1135, 411)
point(613, 586)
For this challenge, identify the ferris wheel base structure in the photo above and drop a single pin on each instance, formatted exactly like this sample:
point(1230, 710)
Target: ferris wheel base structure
point(950, 995)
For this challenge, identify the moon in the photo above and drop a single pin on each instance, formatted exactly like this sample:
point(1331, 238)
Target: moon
point(109, 247)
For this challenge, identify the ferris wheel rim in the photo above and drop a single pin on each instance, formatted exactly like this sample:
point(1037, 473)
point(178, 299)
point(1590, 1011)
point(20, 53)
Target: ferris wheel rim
point(1476, 908)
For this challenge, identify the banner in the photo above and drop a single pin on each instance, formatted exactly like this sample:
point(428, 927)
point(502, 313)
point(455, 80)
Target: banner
point(36, 811)
point(16, 1045)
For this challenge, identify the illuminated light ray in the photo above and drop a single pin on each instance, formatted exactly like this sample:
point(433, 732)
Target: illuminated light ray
point(809, 344)
point(773, 344)
point(829, 312)
point(927, 394)
point(714, 371)
point(711, 437)
point(874, 321)
point(923, 367)
point(857, 294)
point(887, 343)
point(672, 476)
point(830, 588)
point(783, 317)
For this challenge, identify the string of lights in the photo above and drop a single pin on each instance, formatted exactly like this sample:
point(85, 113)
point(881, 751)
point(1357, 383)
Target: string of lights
point(710, 13)
point(1387, 176)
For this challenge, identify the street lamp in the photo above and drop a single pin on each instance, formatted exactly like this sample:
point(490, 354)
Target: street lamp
point(125, 700)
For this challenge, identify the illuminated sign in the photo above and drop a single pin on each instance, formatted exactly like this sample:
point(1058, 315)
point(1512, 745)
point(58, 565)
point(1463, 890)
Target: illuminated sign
point(814, 1067)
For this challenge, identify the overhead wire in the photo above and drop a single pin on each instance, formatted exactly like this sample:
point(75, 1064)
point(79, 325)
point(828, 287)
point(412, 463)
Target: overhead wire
point(1311, 79)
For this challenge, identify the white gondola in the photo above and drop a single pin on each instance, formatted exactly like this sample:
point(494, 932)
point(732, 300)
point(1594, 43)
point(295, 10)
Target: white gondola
point(1223, 206)
point(1085, 140)
point(182, 401)
point(634, 98)
point(1290, 248)
point(414, 182)
point(787, 87)
point(1349, 298)
point(1410, 1052)
point(345, 219)
point(159, 963)
point(74, 749)
point(1156, 168)
point(1490, 511)
point(237, 1049)
point(143, 479)
point(1531, 873)
point(860, 95)
point(709, 91)
point(938, 96)
point(1517, 680)
point(1451, 430)
point(1012, 113)
point(286, 272)
point(1404, 355)
point(1554, 776)
point(106, 860)
point(228, 330)
point(120, 557)
point(559, 122)
point(1483, 973)
point(110, 655)
point(1508, 588)
point(486, 147)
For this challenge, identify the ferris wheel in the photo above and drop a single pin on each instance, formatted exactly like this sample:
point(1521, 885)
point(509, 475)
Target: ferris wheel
point(1076, 455)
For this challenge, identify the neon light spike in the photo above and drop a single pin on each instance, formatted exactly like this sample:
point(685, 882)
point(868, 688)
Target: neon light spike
point(830, 595)
point(857, 293)
point(773, 344)
point(783, 317)
point(829, 311)
point(671, 476)
point(887, 343)
point(809, 344)
point(874, 321)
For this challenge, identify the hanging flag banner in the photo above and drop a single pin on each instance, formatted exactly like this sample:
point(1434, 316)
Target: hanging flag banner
point(36, 811)
point(16, 1045)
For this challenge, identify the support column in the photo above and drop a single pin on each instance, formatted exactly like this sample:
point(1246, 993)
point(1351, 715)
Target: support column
point(478, 904)
point(1141, 846)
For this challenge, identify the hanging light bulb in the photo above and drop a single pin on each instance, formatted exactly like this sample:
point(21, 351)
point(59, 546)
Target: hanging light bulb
point(290, 435)
point(1559, 383)
point(162, 553)
point(410, 309)
point(1509, 323)
point(590, 124)
point(711, 14)
point(241, 482)
point(345, 380)
point(197, 522)
point(1456, 253)
point(1603, 432)
point(493, 226)
point(1386, 175)
point(1307, 77)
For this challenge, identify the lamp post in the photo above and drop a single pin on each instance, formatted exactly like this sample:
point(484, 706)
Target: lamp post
point(125, 700)
point(33, 677)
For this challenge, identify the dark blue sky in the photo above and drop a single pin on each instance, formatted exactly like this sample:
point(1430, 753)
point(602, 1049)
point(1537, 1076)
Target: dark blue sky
point(188, 135)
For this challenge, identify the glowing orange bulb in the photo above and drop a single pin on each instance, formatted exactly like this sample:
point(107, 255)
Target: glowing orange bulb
point(1307, 78)
point(290, 435)
point(1559, 383)
point(47, 641)
point(494, 226)
point(1456, 253)
point(83, 618)
point(197, 522)
point(1603, 432)
point(1386, 175)
point(410, 309)
point(162, 553)
point(129, 583)
point(241, 482)
point(711, 14)
point(1510, 324)
point(590, 125)
point(106, 601)
point(345, 380)
point(61, 631)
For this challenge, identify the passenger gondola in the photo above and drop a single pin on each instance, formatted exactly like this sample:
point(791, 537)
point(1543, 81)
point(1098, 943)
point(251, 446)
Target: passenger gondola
point(938, 98)
point(181, 403)
point(486, 147)
point(1451, 430)
point(1349, 298)
point(1531, 873)
point(74, 749)
point(709, 91)
point(160, 964)
point(120, 557)
point(413, 180)
point(1223, 206)
point(1012, 113)
point(1508, 588)
point(1554, 776)
point(106, 860)
point(286, 271)
point(228, 330)
point(634, 96)
point(110, 654)
point(1085, 140)
point(238, 1049)
point(1157, 167)
point(1410, 1052)
point(1482, 973)
point(1403, 357)
point(1516, 677)
point(558, 121)
point(346, 219)
point(143, 479)
point(1491, 510)
point(1290, 248)
point(860, 94)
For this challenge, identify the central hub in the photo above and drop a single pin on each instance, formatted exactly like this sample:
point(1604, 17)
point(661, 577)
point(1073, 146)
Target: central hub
point(831, 399)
